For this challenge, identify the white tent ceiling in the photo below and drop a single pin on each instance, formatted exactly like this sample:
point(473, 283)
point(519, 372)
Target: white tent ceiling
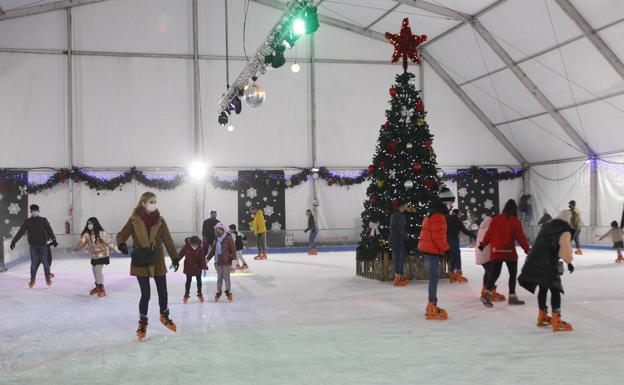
point(558, 95)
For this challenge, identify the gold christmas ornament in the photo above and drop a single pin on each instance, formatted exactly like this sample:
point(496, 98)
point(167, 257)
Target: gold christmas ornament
point(420, 122)
point(409, 145)
point(380, 183)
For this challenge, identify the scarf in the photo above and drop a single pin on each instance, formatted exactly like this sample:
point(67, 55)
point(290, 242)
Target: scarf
point(150, 219)
point(218, 250)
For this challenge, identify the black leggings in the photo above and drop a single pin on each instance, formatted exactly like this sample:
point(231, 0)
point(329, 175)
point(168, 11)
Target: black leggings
point(493, 270)
point(161, 286)
point(555, 298)
point(189, 279)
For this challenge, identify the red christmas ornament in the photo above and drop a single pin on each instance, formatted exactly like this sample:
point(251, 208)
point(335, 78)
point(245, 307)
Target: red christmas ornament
point(428, 144)
point(405, 44)
point(63, 176)
point(393, 91)
point(420, 107)
point(382, 165)
point(373, 200)
point(76, 180)
point(395, 203)
point(392, 146)
point(417, 166)
point(386, 125)
point(371, 169)
point(429, 183)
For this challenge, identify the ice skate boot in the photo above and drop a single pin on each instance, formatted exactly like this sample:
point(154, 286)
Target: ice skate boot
point(619, 259)
point(542, 318)
point(459, 278)
point(185, 299)
point(31, 283)
point(496, 296)
point(101, 292)
point(200, 297)
point(486, 299)
point(559, 325)
point(264, 256)
point(142, 329)
point(48, 281)
point(578, 252)
point(404, 280)
point(514, 300)
point(433, 312)
point(168, 322)
point(398, 282)
point(258, 257)
point(217, 296)
point(94, 291)
point(452, 277)
point(52, 275)
point(229, 296)
point(244, 266)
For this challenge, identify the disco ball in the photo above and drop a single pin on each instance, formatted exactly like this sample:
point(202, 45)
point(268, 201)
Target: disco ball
point(254, 95)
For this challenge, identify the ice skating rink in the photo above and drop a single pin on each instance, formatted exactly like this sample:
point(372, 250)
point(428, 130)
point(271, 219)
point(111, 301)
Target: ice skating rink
point(299, 319)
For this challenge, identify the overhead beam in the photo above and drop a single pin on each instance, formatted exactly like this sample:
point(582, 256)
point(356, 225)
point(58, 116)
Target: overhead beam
point(43, 8)
point(532, 87)
point(593, 37)
point(377, 20)
point(474, 108)
point(436, 9)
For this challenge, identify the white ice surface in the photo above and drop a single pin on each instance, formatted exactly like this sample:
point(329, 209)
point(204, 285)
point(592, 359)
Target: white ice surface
point(299, 319)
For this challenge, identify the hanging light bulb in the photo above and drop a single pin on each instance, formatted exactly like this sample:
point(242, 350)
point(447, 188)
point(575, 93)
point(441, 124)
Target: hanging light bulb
point(295, 68)
point(230, 128)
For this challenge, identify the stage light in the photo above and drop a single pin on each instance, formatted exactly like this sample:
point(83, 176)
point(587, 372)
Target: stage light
point(198, 170)
point(295, 68)
point(299, 26)
point(223, 118)
point(314, 169)
point(230, 128)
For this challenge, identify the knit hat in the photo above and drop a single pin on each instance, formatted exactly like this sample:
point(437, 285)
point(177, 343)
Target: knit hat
point(221, 226)
point(446, 195)
point(566, 216)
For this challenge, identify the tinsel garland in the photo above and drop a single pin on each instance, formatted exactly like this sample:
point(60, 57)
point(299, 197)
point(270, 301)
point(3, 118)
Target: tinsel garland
point(476, 172)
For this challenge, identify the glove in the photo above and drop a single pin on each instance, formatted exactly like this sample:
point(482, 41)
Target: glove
point(305, 231)
point(481, 247)
point(12, 246)
point(54, 243)
point(570, 268)
point(123, 248)
point(176, 264)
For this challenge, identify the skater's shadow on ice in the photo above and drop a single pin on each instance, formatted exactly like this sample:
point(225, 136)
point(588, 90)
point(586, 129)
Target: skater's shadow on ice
point(600, 267)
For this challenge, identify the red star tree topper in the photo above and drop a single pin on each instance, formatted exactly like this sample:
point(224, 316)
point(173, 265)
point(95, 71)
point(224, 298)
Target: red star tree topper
point(405, 44)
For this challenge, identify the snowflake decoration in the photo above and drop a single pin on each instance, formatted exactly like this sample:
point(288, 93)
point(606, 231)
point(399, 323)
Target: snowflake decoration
point(274, 193)
point(242, 195)
point(252, 193)
point(276, 226)
point(269, 211)
point(488, 204)
point(6, 221)
point(407, 114)
point(23, 190)
point(473, 200)
point(462, 192)
point(248, 204)
point(14, 209)
point(19, 197)
point(492, 190)
point(265, 199)
point(14, 231)
point(392, 174)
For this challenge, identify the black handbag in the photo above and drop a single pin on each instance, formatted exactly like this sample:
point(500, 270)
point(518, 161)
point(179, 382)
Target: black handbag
point(143, 257)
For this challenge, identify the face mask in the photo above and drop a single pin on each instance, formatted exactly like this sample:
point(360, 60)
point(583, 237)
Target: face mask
point(194, 247)
point(151, 207)
point(35, 214)
point(90, 226)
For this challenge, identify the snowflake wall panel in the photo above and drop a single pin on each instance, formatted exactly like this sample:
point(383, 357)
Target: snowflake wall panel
point(13, 207)
point(271, 200)
point(478, 195)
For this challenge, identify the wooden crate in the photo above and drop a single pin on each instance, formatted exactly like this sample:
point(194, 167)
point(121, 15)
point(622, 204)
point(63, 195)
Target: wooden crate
point(382, 269)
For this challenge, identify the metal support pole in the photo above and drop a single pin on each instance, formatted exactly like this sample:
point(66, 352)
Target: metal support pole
point(198, 150)
point(421, 81)
point(312, 54)
point(593, 194)
point(70, 117)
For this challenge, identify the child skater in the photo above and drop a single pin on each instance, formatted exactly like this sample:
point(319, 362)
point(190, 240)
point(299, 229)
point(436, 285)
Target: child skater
point(239, 240)
point(617, 237)
point(194, 250)
point(483, 258)
point(94, 238)
point(542, 269)
point(224, 253)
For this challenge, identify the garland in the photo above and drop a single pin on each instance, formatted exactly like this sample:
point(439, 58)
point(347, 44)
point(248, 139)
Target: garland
point(95, 182)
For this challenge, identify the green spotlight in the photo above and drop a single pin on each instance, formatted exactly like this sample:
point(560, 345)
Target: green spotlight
point(299, 27)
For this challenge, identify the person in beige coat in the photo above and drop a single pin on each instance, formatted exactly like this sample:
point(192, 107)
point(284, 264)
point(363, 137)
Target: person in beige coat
point(148, 229)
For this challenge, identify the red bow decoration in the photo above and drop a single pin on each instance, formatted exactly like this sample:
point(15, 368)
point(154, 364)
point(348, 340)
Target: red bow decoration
point(405, 44)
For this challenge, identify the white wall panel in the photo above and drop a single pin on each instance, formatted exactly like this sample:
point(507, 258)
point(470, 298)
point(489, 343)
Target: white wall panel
point(523, 27)
point(54, 202)
point(162, 26)
point(351, 106)
point(339, 211)
point(610, 190)
point(460, 138)
point(593, 74)
point(516, 100)
point(460, 54)
point(600, 123)
point(44, 31)
point(276, 134)
point(554, 195)
point(123, 104)
point(225, 202)
point(33, 110)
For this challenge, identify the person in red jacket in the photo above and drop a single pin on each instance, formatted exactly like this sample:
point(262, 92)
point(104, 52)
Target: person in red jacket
point(194, 252)
point(433, 245)
point(504, 231)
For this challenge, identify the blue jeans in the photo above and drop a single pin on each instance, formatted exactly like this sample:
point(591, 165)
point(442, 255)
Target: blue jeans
point(456, 254)
point(312, 237)
point(398, 257)
point(575, 238)
point(434, 274)
point(39, 253)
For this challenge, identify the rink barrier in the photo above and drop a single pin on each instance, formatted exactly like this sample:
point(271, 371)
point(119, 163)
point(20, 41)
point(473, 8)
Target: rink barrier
point(415, 268)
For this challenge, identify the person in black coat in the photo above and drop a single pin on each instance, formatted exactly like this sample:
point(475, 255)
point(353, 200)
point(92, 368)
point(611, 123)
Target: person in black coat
point(542, 269)
point(454, 226)
point(208, 232)
point(396, 241)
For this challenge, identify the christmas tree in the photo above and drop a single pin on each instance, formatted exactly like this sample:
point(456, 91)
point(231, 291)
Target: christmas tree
point(404, 167)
